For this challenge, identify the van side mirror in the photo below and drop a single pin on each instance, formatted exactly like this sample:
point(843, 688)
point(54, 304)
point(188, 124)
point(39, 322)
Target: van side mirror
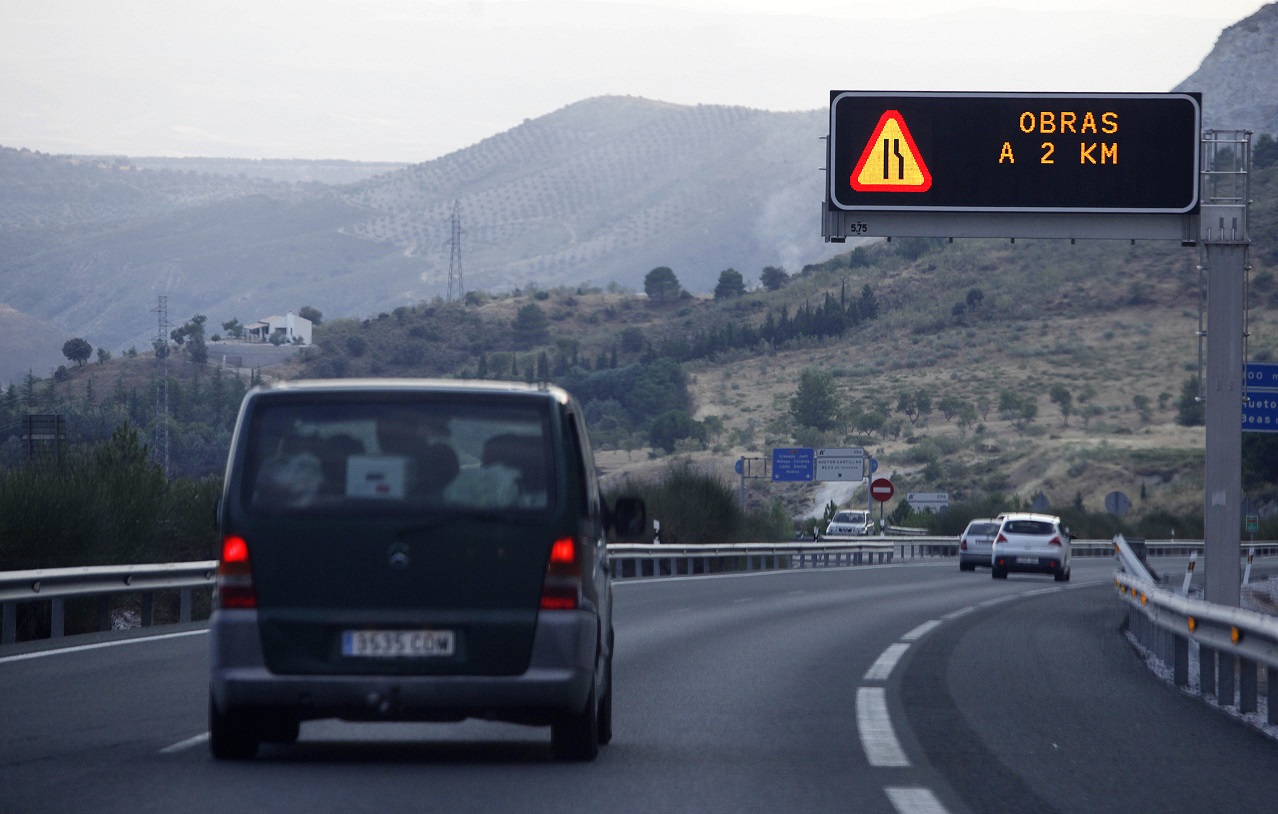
point(629, 518)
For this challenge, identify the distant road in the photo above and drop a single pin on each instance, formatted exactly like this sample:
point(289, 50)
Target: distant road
point(877, 689)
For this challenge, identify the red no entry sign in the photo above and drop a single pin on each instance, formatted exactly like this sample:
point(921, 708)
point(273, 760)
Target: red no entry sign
point(881, 489)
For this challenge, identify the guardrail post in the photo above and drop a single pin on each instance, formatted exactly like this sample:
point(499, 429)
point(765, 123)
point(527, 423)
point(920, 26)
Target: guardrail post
point(184, 607)
point(104, 612)
point(1206, 670)
point(1225, 679)
point(1247, 685)
point(148, 608)
point(1271, 678)
point(57, 618)
point(9, 622)
point(1180, 661)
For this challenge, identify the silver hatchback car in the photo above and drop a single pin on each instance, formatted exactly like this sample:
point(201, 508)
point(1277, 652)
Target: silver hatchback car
point(976, 544)
point(1031, 543)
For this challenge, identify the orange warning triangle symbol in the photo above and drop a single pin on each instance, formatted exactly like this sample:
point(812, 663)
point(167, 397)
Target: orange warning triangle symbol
point(891, 161)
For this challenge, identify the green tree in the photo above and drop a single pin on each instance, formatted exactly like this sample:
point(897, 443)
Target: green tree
point(531, 327)
point(731, 284)
point(661, 284)
point(1265, 152)
point(869, 306)
point(814, 404)
point(923, 403)
point(673, 426)
point(77, 350)
point(1144, 406)
point(234, 328)
point(773, 278)
point(950, 405)
point(1189, 410)
point(104, 356)
point(312, 313)
point(1063, 399)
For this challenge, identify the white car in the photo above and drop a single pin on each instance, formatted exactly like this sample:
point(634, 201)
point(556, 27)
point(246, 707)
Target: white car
point(850, 522)
point(1031, 543)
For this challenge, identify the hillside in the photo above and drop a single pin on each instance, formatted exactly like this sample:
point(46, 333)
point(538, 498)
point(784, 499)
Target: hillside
point(1116, 324)
point(598, 192)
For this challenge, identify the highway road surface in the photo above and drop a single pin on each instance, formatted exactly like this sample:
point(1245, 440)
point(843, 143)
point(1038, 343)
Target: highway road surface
point(908, 688)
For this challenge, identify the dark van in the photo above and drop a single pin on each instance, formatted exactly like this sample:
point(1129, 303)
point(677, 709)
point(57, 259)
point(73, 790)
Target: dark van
point(412, 550)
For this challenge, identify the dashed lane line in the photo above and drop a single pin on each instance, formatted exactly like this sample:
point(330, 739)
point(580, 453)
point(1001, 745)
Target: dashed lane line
point(882, 666)
point(875, 726)
point(921, 631)
point(914, 801)
point(182, 746)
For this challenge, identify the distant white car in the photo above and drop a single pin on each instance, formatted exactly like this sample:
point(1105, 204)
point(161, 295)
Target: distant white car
point(850, 522)
point(1031, 543)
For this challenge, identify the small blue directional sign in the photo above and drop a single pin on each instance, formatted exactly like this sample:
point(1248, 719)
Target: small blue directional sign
point(1262, 376)
point(792, 463)
point(1260, 412)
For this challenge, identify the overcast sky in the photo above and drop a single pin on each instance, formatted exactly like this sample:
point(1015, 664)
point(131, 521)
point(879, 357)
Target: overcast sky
point(410, 80)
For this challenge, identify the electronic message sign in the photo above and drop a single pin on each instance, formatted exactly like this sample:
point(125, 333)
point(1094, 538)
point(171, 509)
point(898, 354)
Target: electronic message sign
point(1014, 153)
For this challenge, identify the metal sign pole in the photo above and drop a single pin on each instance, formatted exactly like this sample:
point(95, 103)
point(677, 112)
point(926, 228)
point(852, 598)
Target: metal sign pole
point(1224, 235)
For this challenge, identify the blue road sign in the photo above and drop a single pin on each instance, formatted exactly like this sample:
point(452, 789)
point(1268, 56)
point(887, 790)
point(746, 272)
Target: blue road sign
point(1260, 412)
point(874, 465)
point(792, 463)
point(1262, 376)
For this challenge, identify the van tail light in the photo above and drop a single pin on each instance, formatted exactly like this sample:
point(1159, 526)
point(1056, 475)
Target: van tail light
point(561, 589)
point(234, 576)
point(1055, 540)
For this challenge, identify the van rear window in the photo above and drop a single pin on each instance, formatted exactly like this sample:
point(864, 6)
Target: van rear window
point(342, 454)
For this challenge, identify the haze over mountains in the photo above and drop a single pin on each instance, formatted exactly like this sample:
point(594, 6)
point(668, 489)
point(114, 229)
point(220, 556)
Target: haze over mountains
point(598, 192)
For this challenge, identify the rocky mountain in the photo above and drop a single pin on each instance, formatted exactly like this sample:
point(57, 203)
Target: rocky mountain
point(1239, 78)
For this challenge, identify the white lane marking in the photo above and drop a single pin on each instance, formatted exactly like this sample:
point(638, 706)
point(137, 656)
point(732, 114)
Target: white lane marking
point(882, 666)
point(914, 801)
point(81, 647)
point(875, 726)
point(921, 631)
point(1041, 591)
point(186, 744)
point(998, 600)
point(956, 614)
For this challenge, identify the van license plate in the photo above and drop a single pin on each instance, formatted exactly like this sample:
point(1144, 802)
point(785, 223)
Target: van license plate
point(397, 643)
point(1027, 560)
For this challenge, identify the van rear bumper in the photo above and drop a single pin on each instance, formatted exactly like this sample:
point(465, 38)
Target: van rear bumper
point(558, 680)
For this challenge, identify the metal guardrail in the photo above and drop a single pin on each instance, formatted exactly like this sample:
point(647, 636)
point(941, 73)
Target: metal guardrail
point(629, 560)
point(56, 585)
point(1229, 639)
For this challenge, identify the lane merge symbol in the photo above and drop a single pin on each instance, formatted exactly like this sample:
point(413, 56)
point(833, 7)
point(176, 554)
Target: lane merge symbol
point(891, 162)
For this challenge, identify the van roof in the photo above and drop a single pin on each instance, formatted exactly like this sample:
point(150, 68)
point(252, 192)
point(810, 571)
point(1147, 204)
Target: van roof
point(474, 386)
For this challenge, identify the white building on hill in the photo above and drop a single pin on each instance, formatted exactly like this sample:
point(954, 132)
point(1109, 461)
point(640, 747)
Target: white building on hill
point(290, 327)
